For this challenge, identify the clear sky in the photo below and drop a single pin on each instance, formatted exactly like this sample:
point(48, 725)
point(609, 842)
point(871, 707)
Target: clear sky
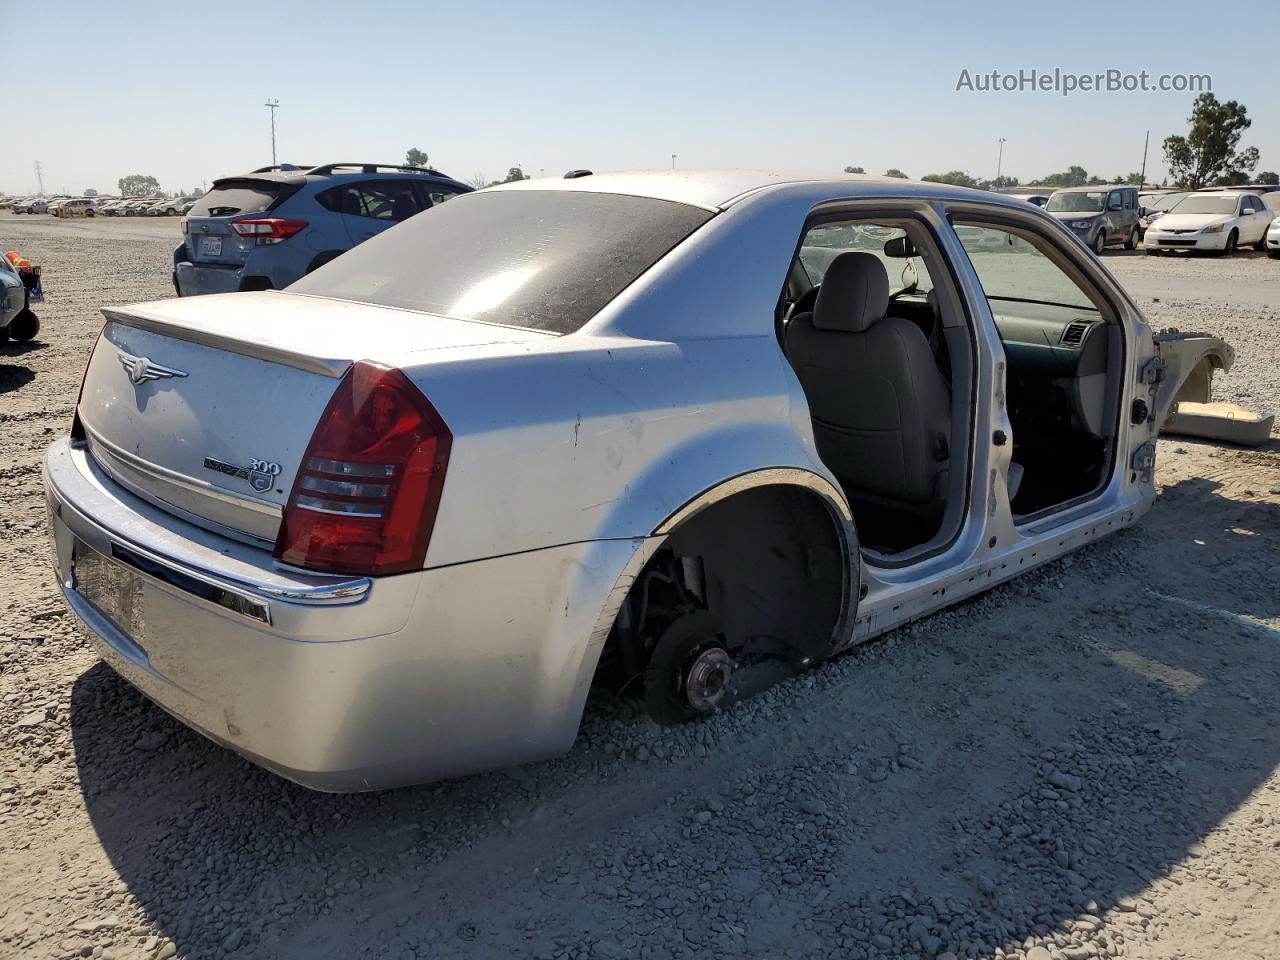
point(176, 90)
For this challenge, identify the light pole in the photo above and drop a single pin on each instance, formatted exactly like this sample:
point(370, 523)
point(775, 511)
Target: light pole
point(1000, 161)
point(272, 104)
point(673, 161)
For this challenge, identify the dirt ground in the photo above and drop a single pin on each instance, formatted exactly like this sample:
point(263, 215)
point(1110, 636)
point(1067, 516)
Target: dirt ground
point(1082, 763)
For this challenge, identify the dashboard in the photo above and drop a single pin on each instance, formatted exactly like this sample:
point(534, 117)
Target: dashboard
point(1050, 339)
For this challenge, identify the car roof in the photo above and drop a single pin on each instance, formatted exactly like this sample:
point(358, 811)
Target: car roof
point(298, 175)
point(717, 189)
point(1095, 187)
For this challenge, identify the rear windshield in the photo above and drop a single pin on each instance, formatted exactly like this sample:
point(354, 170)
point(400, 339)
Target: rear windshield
point(541, 259)
point(236, 197)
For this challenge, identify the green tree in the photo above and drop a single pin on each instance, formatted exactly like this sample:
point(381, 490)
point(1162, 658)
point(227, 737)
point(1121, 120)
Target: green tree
point(896, 173)
point(1073, 176)
point(854, 170)
point(1236, 178)
point(137, 185)
point(999, 183)
point(514, 174)
point(1268, 176)
point(415, 158)
point(956, 178)
point(1211, 147)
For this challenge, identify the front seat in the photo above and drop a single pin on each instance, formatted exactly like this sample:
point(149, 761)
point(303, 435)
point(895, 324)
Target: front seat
point(881, 409)
point(403, 207)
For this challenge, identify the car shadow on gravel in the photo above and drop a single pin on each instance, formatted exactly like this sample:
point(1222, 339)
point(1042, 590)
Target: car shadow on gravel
point(1056, 766)
point(13, 376)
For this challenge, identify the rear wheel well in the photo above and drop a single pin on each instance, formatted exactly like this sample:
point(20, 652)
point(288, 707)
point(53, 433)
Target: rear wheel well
point(771, 564)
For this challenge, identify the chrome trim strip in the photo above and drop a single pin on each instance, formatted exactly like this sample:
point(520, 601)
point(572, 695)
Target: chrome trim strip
point(351, 468)
point(346, 590)
point(190, 484)
point(334, 368)
point(769, 476)
point(335, 507)
point(343, 488)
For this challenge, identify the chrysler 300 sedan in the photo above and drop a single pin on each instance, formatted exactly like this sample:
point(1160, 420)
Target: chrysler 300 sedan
point(662, 431)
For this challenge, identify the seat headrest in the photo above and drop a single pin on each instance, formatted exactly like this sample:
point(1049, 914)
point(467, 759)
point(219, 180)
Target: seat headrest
point(854, 294)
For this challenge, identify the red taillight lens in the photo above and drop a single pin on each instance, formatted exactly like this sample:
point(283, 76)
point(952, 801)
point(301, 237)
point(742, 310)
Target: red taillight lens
point(268, 229)
point(366, 494)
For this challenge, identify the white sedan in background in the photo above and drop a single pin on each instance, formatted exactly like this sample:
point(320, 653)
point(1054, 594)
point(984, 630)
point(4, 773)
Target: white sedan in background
point(1218, 221)
point(1273, 239)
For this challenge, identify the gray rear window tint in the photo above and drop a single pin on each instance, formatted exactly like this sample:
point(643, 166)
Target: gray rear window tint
point(238, 197)
point(542, 259)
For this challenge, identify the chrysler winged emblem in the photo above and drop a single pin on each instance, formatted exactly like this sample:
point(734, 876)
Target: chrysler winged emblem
point(140, 369)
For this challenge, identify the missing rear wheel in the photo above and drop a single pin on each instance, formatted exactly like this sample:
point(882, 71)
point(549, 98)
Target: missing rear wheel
point(690, 671)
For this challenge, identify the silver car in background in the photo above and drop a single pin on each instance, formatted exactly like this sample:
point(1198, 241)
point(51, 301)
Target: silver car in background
point(668, 432)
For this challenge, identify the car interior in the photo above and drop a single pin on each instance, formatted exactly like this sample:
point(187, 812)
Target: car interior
point(876, 358)
point(1064, 349)
point(884, 356)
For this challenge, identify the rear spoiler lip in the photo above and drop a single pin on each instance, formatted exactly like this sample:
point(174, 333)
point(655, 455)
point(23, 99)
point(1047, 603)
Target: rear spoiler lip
point(332, 367)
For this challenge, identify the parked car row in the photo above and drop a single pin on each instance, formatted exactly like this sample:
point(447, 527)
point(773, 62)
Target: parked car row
point(101, 206)
point(1216, 219)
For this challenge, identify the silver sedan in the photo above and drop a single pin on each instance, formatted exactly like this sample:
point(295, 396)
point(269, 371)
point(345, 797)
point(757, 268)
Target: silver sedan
point(671, 433)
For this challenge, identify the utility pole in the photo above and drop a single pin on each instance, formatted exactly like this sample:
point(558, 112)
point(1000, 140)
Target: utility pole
point(1145, 142)
point(1000, 161)
point(40, 178)
point(673, 161)
point(272, 104)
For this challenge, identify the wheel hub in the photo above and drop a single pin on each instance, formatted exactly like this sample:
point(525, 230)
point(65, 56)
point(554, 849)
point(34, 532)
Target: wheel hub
point(708, 679)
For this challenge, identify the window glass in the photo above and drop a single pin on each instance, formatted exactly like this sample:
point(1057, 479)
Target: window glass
point(1076, 201)
point(385, 200)
point(826, 241)
point(437, 193)
point(230, 197)
point(1208, 203)
point(543, 259)
point(1013, 269)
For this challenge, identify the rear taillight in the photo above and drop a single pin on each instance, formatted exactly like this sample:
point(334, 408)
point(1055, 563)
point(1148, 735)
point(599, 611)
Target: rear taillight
point(268, 229)
point(184, 226)
point(366, 494)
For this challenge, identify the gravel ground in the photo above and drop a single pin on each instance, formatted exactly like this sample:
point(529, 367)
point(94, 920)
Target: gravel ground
point(1080, 764)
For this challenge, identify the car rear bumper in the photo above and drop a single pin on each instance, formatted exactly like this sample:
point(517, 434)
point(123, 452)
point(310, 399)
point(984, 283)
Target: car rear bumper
point(391, 681)
point(195, 279)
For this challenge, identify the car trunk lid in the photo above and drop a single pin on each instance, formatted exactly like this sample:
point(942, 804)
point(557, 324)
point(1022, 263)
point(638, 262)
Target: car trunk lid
point(204, 406)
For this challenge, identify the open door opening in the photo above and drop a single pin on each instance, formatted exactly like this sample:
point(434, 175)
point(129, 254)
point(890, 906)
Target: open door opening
point(880, 344)
point(1064, 353)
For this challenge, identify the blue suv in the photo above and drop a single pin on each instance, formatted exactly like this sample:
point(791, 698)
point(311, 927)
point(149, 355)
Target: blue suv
point(265, 229)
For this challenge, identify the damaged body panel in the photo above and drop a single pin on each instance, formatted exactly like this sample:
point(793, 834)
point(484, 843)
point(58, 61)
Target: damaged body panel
point(1185, 364)
point(677, 434)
